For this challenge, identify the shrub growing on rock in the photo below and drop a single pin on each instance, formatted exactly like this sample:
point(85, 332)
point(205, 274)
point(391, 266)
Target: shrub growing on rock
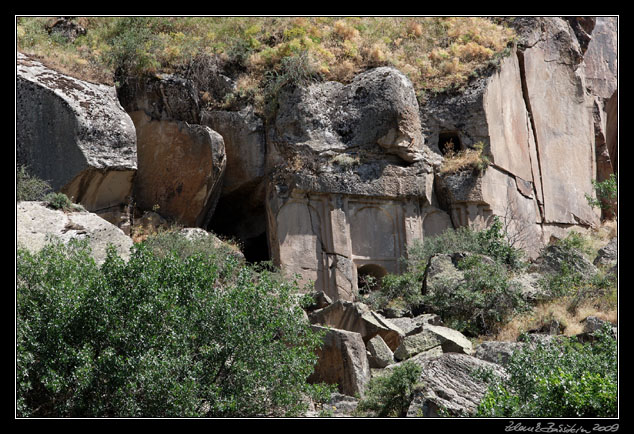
point(28, 187)
point(390, 395)
point(478, 304)
point(157, 336)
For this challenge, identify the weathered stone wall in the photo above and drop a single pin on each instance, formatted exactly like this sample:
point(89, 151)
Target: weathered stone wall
point(181, 163)
point(326, 238)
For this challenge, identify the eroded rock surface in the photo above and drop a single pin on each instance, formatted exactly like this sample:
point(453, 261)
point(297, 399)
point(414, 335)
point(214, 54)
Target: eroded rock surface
point(36, 222)
point(180, 168)
point(75, 135)
point(342, 361)
point(451, 388)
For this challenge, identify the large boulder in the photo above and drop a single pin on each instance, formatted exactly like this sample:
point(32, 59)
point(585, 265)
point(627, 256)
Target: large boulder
point(441, 274)
point(451, 386)
point(556, 258)
point(608, 255)
point(342, 360)
point(75, 135)
point(433, 337)
point(377, 109)
point(351, 180)
point(180, 170)
point(379, 354)
point(36, 223)
point(358, 317)
point(416, 344)
point(181, 163)
point(161, 96)
point(499, 352)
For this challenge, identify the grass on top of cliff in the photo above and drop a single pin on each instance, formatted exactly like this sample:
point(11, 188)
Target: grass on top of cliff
point(436, 53)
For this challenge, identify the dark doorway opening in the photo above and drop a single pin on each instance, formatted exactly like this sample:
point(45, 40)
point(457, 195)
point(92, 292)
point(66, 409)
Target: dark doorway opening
point(369, 277)
point(256, 249)
point(449, 142)
point(241, 216)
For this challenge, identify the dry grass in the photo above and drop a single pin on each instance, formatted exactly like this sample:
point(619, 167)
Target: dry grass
point(558, 310)
point(470, 158)
point(434, 52)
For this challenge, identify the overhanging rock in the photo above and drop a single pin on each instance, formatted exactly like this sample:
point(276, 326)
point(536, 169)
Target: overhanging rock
point(75, 135)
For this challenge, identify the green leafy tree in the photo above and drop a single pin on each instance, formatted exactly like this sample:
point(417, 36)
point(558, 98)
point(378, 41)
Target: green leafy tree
point(201, 335)
point(558, 379)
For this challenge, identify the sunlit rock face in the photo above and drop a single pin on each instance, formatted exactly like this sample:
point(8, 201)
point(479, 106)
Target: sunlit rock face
point(75, 135)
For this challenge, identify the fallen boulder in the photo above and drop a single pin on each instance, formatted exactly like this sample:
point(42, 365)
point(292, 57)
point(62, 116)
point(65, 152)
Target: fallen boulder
point(342, 360)
point(358, 317)
point(451, 385)
point(36, 222)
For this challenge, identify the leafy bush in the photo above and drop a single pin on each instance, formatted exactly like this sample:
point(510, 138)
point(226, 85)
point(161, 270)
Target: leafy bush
point(168, 242)
point(157, 336)
point(559, 379)
point(606, 192)
point(390, 395)
point(396, 291)
point(481, 302)
point(29, 187)
point(569, 278)
point(491, 242)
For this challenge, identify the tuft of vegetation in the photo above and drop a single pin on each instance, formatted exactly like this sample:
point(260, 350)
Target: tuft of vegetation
point(346, 160)
point(263, 53)
point(60, 201)
point(480, 303)
point(562, 378)
point(29, 187)
point(606, 193)
point(490, 242)
point(390, 395)
point(474, 159)
point(166, 335)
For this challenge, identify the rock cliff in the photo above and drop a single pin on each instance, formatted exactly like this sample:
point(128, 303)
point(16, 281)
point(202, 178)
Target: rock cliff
point(343, 177)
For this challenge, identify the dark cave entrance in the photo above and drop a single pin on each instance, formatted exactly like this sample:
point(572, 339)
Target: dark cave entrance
point(241, 217)
point(256, 249)
point(449, 142)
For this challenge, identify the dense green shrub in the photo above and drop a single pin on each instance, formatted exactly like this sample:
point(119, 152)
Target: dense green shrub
point(480, 303)
point(396, 291)
point(29, 187)
point(483, 301)
point(201, 335)
point(173, 242)
point(568, 279)
point(559, 379)
point(133, 44)
point(390, 395)
point(490, 242)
